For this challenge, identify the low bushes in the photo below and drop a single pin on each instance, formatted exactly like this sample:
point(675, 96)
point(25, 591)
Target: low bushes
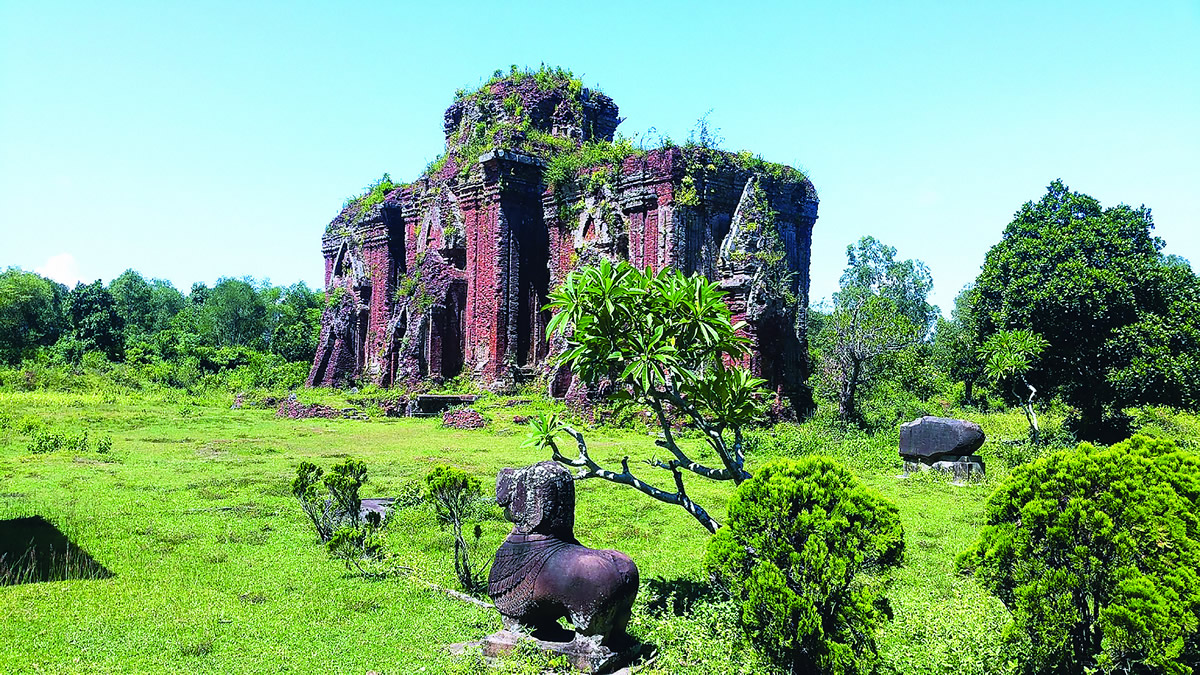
point(806, 553)
point(1096, 551)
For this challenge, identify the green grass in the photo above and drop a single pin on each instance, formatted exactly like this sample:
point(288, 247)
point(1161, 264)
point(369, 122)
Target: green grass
point(216, 569)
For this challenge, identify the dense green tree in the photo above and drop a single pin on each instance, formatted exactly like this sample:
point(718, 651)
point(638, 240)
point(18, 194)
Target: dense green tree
point(165, 301)
point(806, 554)
point(234, 314)
point(1156, 360)
point(862, 329)
point(95, 322)
point(872, 268)
point(135, 301)
point(663, 340)
point(1079, 274)
point(954, 351)
point(293, 320)
point(1096, 551)
point(199, 293)
point(30, 313)
point(880, 310)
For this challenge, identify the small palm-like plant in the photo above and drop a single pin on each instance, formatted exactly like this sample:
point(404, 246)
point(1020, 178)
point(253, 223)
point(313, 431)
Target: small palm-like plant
point(1007, 356)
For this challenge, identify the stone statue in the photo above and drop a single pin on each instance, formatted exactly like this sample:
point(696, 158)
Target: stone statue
point(542, 572)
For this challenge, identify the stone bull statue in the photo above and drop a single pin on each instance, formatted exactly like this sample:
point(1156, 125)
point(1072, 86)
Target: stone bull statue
point(542, 572)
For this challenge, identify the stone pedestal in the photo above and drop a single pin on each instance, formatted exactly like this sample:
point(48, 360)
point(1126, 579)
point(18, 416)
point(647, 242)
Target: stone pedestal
point(963, 467)
point(583, 654)
point(942, 444)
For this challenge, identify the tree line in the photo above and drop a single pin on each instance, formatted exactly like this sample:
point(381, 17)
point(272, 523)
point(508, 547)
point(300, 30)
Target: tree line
point(1076, 302)
point(166, 336)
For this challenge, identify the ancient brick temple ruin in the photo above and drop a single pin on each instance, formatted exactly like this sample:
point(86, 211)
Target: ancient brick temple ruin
point(448, 275)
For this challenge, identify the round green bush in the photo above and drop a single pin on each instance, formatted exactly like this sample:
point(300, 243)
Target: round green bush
point(806, 555)
point(1096, 551)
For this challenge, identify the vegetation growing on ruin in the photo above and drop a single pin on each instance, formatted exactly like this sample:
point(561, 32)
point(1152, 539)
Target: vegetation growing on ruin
point(599, 155)
point(546, 77)
point(372, 195)
point(412, 290)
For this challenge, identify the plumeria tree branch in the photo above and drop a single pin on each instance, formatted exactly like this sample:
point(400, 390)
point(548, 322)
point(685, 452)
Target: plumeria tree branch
point(665, 341)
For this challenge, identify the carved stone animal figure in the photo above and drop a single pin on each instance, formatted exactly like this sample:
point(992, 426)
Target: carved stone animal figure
point(542, 572)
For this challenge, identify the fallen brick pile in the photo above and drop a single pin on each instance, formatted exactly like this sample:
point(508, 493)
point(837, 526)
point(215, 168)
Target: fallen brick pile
point(463, 418)
point(293, 409)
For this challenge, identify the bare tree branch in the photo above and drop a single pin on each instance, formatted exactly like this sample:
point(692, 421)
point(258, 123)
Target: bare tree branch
point(733, 464)
point(588, 468)
point(681, 459)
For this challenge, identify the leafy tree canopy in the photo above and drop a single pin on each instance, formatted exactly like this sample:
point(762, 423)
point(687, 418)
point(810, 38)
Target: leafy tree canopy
point(1078, 274)
point(663, 340)
point(233, 314)
point(954, 350)
point(872, 268)
point(96, 323)
point(134, 298)
point(30, 313)
point(881, 309)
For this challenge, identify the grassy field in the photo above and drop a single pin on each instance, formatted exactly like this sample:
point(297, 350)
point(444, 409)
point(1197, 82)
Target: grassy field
point(216, 569)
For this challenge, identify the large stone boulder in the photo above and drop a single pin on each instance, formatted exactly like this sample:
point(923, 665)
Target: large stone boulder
point(944, 444)
point(930, 438)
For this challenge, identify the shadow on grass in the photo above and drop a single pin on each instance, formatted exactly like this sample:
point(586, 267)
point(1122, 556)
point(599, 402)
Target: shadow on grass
point(678, 596)
point(33, 549)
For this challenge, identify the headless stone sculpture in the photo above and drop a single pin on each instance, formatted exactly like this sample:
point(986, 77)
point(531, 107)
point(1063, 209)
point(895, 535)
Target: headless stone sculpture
point(542, 572)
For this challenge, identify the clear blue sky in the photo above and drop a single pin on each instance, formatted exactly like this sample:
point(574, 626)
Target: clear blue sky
point(192, 141)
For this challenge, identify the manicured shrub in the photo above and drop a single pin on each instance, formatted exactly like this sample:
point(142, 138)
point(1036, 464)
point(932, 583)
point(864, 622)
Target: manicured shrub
point(806, 554)
point(1096, 551)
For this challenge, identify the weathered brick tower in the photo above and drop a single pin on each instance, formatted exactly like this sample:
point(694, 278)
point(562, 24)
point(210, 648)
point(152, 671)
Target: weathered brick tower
point(447, 275)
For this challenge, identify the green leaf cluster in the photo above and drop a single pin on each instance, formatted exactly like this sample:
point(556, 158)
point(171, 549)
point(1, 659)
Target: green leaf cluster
point(1010, 353)
point(806, 553)
point(330, 500)
point(452, 492)
point(1096, 551)
point(652, 331)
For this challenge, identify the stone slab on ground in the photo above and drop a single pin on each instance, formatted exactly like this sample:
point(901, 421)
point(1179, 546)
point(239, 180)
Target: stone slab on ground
point(964, 468)
point(428, 405)
point(378, 505)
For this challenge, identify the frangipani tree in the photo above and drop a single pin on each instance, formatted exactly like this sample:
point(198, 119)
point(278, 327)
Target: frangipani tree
point(663, 340)
point(1008, 355)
